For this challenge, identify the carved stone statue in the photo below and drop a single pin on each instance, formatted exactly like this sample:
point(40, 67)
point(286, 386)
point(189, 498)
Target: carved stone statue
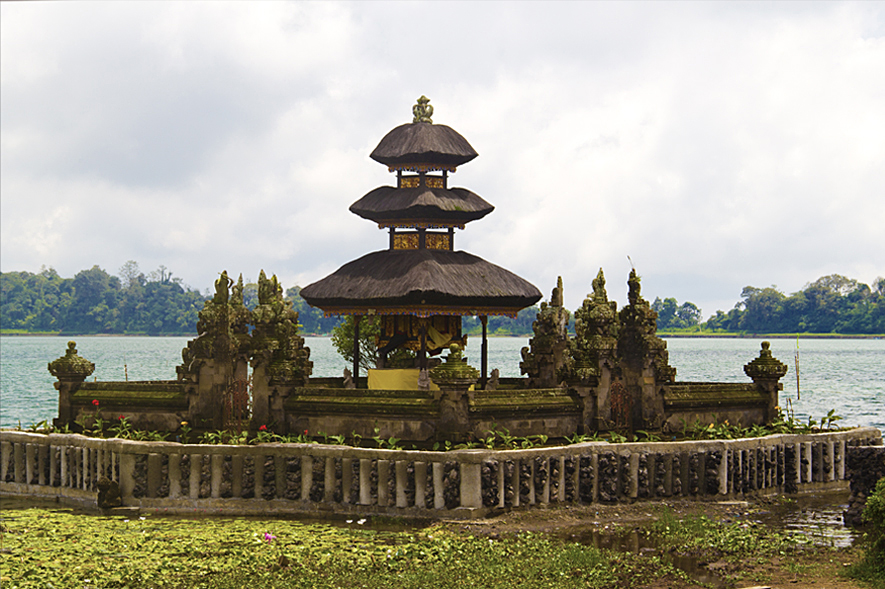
point(638, 337)
point(596, 330)
point(422, 111)
point(276, 344)
point(546, 354)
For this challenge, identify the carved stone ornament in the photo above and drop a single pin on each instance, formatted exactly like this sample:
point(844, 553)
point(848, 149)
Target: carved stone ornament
point(765, 366)
point(454, 369)
point(275, 340)
point(71, 365)
point(543, 358)
point(422, 111)
point(596, 330)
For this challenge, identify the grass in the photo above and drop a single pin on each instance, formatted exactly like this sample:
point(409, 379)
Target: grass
point(701, 535)
point(58, 549)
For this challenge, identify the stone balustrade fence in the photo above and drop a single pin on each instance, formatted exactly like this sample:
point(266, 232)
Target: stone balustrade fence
point(311, 478)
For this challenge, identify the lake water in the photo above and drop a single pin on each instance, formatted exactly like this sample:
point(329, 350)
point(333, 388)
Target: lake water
point(843, 374)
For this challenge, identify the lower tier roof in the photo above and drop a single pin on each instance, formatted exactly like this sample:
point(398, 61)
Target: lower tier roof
point(423, 283)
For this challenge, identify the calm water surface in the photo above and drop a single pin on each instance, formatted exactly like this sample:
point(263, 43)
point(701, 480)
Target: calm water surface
point(846, 375)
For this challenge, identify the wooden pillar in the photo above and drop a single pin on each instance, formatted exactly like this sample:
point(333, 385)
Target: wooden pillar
point(422, 238)
point(392, 239)
point(484, 353)
point(422, 355)
point(451, 239)
point(356, 348)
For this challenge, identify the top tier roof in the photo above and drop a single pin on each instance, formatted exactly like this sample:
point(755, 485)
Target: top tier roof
point(423, 146)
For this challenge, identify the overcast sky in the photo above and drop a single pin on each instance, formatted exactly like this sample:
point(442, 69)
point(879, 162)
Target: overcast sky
point(718, 145)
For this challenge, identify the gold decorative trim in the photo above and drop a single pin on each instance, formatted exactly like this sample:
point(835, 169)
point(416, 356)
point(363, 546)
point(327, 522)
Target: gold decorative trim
point(423, 311)
point(412, 224)
point(421, 168)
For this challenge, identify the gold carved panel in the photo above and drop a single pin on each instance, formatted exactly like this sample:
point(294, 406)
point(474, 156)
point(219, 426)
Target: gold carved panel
point(437, 241)
point(405, 241)
point(434, 182)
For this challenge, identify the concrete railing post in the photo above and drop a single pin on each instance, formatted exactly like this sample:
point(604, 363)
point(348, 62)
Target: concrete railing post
point(471, 484)
point(174, 476)
point(420, 484)
point(439, 500)
point(365, 481)
point(127, 476)
point(383, 482)
point(401, 469)
point(216, 470)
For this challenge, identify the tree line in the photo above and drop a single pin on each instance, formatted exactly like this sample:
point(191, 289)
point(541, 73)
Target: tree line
point(830, 304)
point(158, 303)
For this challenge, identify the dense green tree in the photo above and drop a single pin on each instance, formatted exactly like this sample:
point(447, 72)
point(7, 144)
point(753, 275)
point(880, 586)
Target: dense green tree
point(831, 304)
point(311, 319)
point(94, 304)
point(672, 315)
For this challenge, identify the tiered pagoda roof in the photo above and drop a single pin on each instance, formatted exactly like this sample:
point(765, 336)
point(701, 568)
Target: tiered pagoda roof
point(421, 274)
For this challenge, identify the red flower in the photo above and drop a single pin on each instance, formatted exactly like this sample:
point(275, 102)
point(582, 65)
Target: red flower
point(305, 432)
point(263, 428)
point(122, 418)
point(95, 402)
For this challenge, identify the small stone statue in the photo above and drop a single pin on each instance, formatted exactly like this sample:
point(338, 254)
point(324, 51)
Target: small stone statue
point(422, 111)
point(108, 493)
point(423, 380)
point(348, 379)
point(492, 385)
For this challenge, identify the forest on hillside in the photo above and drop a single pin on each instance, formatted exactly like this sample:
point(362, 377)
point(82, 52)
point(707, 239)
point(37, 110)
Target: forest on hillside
point(158, 303)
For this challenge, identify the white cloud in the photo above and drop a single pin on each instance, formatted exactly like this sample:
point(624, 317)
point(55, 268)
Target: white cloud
point(718, 145)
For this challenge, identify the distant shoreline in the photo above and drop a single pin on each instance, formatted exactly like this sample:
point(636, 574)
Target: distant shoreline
point(660, 334)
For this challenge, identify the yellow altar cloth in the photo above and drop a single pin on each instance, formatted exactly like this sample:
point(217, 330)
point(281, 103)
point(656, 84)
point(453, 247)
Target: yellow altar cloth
point(395, 379)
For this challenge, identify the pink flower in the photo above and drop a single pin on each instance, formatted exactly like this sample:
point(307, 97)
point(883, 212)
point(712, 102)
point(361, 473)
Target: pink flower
point(268, 537)
point(263, 428)
point(95, 402)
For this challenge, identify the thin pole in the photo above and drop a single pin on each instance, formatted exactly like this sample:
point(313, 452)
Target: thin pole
point(422, 358)
point(356, 348)
point(484, 353)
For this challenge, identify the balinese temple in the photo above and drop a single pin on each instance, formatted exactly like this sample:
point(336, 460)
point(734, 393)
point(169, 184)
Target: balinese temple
point(421, 285)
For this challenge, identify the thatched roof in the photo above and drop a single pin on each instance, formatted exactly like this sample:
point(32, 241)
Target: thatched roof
point(421, 282)
point(455, 205)
point(423, 143)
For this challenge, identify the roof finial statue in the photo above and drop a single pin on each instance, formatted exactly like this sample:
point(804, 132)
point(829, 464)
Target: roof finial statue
point(422, 111)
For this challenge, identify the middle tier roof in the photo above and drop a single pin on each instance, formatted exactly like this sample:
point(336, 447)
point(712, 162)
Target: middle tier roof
point(422, 205)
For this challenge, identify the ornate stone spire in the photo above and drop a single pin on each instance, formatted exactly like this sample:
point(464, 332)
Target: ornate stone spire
point(71, 365)
point(765, 366)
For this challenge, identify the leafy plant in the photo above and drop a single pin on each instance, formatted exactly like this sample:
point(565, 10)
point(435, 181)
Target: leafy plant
point(829, 419)
point(123, 429)
point(873, 566)
point(41, 427)
point(580, 438)
point(185, 436)
point(389, 443)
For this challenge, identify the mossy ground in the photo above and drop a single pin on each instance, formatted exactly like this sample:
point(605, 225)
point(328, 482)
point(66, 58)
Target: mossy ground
point(59, 548)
